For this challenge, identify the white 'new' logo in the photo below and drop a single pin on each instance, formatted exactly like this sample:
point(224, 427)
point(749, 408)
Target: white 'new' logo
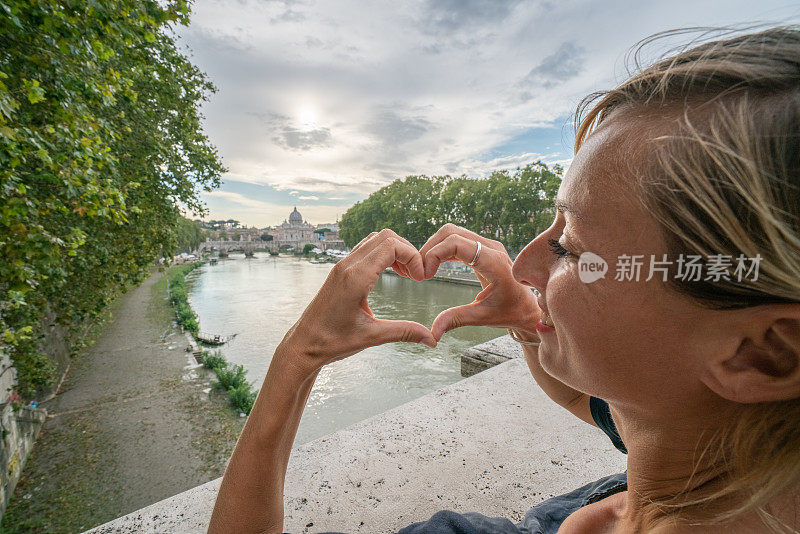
point(591, 267)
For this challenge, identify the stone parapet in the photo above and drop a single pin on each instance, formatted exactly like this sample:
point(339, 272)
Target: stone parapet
point(493, 443)
point(493, 352)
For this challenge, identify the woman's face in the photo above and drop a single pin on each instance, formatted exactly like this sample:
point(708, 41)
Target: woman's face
point(619, 340)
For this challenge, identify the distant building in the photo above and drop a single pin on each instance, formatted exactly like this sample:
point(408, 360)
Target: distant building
point(330, 226)
point(297, 232)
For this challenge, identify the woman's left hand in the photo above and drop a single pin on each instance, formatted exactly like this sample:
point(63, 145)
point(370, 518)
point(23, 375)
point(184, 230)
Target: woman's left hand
point(339, 323)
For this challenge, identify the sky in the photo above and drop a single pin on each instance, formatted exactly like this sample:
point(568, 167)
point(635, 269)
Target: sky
point(321, 103)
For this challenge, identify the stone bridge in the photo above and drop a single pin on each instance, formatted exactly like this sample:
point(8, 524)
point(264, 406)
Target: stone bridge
point(228, 246)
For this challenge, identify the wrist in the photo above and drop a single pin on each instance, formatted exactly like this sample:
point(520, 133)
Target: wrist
point(300, 364)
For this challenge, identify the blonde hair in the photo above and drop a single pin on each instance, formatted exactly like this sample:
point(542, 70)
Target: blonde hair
point(725, 179)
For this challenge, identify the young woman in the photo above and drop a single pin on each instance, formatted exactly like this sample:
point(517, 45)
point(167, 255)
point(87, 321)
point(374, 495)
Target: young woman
point(696, 157)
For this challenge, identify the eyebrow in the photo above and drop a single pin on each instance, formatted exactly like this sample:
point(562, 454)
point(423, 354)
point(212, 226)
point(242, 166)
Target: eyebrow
point(564, 207)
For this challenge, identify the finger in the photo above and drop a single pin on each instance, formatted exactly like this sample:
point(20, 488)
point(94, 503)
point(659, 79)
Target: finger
point(400, 269)
point(384, 331)
point(373, 240)
point(457, 247)
point(450, 229)
point(360, 243)
point(401, 238)
point(472, 314)
point(392, 250)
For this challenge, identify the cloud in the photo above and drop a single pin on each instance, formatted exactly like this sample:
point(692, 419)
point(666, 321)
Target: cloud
point(457, 14)
point(398, 88)
point(481, 168)
point(565, 63)
point(288, 15)
point(295, 139)
point(238, 198)
point(308, 197)
point(389, 127)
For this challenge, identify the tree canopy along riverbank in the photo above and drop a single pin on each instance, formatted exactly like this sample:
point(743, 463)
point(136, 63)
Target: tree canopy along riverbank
point(511, 207)
point(101, 146)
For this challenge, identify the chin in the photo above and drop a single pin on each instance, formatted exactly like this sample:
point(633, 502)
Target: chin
point(553, 362)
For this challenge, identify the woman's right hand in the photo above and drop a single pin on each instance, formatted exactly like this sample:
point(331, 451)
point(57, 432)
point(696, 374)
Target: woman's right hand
point(503, 302)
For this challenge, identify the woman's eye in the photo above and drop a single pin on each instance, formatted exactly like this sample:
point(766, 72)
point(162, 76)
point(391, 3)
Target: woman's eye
point(558, 250)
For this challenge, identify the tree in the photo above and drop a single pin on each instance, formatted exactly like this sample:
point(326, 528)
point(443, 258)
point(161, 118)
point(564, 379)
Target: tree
point(101, 148)
point(189, 235)
point(266, 237)
point(513, 207)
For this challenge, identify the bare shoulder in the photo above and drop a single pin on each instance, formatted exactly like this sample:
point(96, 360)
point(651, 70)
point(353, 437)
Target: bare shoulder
point(600, 517)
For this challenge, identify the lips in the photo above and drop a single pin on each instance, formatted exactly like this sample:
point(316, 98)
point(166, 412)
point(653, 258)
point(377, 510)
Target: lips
point(546, 319)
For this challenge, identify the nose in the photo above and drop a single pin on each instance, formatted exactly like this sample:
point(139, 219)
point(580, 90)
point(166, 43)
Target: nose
point(532, 266)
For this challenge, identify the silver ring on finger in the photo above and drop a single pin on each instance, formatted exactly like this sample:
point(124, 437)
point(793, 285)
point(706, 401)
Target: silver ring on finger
point(477, 252)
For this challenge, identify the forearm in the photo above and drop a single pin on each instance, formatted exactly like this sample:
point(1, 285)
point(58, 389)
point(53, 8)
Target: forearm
point(250, 498)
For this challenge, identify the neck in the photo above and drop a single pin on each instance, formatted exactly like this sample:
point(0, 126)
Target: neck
point(669, 454)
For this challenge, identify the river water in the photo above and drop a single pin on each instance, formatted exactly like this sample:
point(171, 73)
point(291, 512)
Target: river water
point(260, 298)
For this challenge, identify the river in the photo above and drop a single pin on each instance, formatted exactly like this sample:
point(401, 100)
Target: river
point(260, 298)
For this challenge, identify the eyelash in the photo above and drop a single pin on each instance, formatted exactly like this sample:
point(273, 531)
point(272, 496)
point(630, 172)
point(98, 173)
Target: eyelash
point(558, 250)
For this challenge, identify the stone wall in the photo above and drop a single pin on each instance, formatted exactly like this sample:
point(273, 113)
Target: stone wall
point(8, 377)
point(19, 426)
point(54, 345)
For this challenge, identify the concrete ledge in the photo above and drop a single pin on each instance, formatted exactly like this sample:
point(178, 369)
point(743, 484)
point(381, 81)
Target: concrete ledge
point(493, 443)
point(493, 352)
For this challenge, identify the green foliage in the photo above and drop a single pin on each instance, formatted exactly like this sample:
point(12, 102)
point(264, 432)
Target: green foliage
point(212, 360)
point(188, 235)
point(100, 148)
point(307, 248)
point(512, 208)
point(230, 376)
point(179, 298)
point(243, 397)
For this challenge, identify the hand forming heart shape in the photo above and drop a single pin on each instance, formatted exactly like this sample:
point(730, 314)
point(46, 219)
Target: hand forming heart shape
point(338, 322)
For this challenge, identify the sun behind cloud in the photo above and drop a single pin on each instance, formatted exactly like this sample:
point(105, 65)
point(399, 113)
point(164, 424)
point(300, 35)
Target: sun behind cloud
point(307, 117)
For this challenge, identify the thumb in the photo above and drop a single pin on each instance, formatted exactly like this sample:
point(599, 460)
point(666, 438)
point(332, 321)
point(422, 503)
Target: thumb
point(468, 315)
point(407, 331)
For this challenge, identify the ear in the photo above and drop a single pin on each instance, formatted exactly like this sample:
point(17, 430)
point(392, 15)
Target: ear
point(765, 366)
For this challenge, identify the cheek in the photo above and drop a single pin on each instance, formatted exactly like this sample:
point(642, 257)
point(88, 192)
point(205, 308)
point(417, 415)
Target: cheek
point(618, 341)
point(593, 344)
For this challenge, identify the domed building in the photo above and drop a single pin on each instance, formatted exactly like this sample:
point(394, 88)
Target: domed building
point(295, 219)
point(296, 232)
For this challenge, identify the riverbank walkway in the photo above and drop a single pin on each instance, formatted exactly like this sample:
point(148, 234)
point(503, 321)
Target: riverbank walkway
point(129, 426)
point(492, 443)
